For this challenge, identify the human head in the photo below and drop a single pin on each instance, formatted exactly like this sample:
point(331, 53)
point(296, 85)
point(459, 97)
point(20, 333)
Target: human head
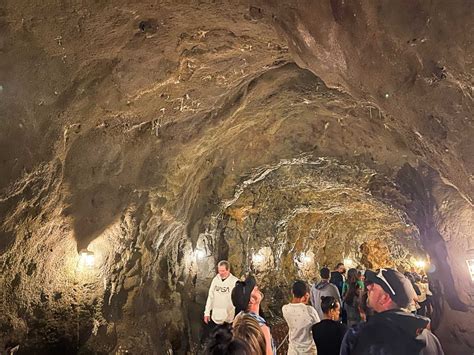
point(409, 276)
point(325, 273)
point(330, 307)
point(223, 269)
point(352, 275)
point(417, 277)
point(222, 342)
point(300, 290)
point(340, 268)
point(242, 294)
point(388, 289)
point(247, 329)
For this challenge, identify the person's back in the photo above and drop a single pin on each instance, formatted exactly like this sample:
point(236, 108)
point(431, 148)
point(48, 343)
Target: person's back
point(328, 333)
point(351, 302)
point(337, 277)
point(322, 289)
point(300, 317)
point(391, 332)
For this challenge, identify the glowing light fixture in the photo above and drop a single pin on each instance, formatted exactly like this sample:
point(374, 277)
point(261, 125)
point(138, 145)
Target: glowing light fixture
point(305, 258)
point(348, 262)
point(421, 264)
point(258, 258)
point(86, 259)
point(200, 254)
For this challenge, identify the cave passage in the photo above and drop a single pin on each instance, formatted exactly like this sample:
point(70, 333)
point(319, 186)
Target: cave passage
point(142, 142)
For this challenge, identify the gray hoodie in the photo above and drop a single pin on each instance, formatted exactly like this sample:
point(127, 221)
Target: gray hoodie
point(323, 288)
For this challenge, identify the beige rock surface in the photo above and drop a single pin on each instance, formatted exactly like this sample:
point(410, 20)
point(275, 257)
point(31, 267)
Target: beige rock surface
point(166, 135)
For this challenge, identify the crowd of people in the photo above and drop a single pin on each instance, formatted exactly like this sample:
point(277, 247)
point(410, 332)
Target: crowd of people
point(372, 312)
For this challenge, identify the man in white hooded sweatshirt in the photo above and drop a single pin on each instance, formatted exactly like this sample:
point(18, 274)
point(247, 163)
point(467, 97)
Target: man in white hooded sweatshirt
point(219, 307)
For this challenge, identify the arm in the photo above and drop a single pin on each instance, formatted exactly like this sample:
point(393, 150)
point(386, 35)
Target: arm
point(314, 315)
point(336, 295)
point(311, 296)
point(209, 303)
point(268, 339)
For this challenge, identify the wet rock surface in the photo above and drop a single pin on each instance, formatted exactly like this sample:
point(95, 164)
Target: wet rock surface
point(164, 136)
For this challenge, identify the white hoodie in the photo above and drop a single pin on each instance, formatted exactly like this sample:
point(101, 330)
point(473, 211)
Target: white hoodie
point(219, 299)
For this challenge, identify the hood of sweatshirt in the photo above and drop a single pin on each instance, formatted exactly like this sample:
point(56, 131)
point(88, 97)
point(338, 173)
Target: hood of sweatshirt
point(322, 284)
point(408, 323)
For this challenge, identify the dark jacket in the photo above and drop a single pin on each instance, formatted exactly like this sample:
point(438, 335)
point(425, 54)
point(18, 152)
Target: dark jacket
point(391, 332)
point(338, 280)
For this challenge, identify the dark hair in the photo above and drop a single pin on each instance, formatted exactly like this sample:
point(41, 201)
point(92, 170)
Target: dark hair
point(339, 264)
point(299, 288)
point(221, 342)
point(351, 293)
point(328, 303)
point(417, 277)
point(352, 275)
point(325, 273)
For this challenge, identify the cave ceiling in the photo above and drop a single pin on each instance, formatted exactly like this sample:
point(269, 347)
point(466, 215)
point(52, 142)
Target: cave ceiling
point(147, 131)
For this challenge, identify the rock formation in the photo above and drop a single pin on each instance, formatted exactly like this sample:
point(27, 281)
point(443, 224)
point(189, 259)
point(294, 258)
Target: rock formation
point(163, 136)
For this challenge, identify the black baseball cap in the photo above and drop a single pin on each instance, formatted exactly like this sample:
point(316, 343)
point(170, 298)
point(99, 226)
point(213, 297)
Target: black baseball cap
point(394, 283)
point(241, 294)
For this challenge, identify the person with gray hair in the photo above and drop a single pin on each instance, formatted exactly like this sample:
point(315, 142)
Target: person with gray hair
point(391, 330)
point(219, 307)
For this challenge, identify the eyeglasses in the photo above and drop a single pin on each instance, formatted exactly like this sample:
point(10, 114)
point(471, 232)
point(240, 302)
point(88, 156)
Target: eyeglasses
point(380, 276)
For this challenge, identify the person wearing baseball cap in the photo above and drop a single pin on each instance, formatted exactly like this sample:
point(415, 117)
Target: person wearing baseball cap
point(246, 298)
point(392, 330)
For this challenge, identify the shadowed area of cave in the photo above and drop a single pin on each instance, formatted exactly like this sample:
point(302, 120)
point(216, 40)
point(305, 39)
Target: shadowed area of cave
point(164, 136)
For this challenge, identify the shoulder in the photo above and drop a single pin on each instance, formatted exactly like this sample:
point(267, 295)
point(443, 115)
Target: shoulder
point(316, 326)
point(343, 328)
point(312, 311)
point(232, 279)
point(214, 279)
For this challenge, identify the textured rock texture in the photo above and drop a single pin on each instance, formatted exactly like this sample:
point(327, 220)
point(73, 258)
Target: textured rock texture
point(166, 135)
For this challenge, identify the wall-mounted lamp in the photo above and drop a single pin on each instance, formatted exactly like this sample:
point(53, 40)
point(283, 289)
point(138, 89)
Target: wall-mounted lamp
point(258, 258)
point(348, 262)
point(306, 259)
point(421, 264)
point(86, 259)
point(200, 254)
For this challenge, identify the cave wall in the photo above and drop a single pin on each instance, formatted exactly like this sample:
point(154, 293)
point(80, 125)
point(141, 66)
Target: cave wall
point(131, 128)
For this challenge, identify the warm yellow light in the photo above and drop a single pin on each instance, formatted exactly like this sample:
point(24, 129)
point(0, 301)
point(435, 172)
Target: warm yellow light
point(306, 258)
point(86, 259)
point(200, 254)
point(348, 262)
point(420, 264)
point(258, 258)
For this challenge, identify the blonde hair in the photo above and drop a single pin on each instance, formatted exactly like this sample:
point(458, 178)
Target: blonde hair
point(247, 329)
